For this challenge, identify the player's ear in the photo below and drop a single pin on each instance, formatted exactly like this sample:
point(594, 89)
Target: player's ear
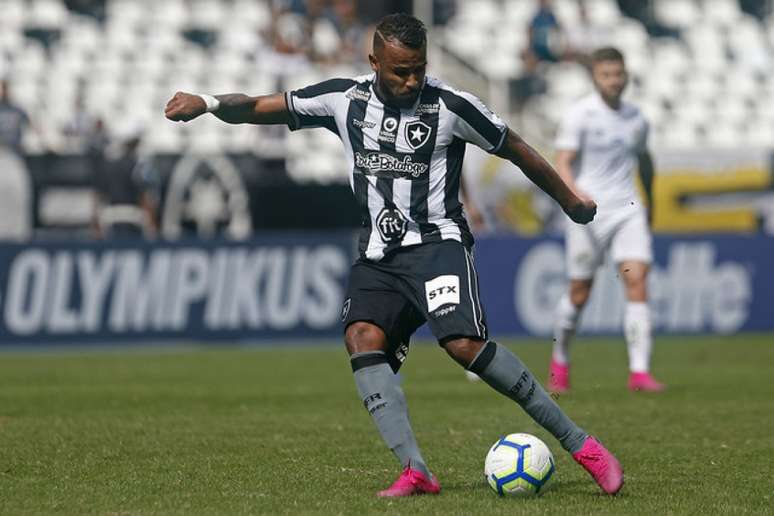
point(374, 62)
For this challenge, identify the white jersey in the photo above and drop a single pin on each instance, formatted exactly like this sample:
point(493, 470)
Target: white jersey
point(405, 164)
point(608, 143)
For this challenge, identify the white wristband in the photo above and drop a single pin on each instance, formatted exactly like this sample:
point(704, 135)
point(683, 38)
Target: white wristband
point(212, 103)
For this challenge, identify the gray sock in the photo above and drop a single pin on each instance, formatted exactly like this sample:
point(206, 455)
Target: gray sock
point(383, 398)
point(506, 374)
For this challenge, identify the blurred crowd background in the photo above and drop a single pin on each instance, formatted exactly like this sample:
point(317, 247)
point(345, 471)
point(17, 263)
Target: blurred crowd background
point(85, 151)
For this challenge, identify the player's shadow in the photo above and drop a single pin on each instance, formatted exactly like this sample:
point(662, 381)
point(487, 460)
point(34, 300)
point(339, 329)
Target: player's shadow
point(582, 487)
point(464, 487)
point(575, 487)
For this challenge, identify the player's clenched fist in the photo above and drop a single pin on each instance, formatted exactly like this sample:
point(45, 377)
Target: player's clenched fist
point(184, 107)
point(582, 211)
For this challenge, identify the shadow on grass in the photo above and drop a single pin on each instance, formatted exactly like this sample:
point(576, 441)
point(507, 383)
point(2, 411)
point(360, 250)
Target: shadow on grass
point(569, 487)
point(585, 488)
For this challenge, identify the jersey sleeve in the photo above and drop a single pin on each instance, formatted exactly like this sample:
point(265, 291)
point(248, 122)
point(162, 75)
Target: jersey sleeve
point(570, 132)
point(316, 105)
point(473, 121)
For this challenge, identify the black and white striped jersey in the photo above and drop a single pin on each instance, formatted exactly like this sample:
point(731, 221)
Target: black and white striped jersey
point(406, 163)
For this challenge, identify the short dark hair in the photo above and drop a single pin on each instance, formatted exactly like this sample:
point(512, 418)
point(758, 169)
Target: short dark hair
point(606, 54)
point(402, 28)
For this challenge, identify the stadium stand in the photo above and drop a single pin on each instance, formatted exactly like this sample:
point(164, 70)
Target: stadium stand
point(701, 70)
point(708, 81)
point(125, 67)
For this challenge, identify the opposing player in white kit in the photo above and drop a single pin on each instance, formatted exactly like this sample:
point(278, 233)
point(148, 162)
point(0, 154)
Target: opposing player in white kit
point(601, 143)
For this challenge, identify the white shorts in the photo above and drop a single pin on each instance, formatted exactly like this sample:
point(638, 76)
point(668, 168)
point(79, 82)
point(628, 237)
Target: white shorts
point(624, 233)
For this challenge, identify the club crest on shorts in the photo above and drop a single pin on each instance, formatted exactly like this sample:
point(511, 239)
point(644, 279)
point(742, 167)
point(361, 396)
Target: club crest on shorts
point(442, 290)
point(417, 133)
point(392, 225)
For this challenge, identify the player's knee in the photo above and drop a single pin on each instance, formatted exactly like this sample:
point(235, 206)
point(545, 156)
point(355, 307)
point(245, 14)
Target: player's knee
point(463, 349)
point(579, 294)
point(362, 336)
point(636, 290)
point(635, 279)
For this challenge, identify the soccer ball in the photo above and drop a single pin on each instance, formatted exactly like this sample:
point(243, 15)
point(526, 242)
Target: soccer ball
point(519, 465)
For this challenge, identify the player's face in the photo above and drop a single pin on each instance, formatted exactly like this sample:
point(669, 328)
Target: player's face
point(400, 72)
point(610, 79)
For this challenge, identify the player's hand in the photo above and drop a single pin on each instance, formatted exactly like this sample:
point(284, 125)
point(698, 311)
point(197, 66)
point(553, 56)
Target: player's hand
point(184, 107)
point(581, 211)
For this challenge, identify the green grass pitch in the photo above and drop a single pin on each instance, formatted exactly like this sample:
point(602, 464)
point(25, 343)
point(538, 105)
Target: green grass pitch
point(228, 430)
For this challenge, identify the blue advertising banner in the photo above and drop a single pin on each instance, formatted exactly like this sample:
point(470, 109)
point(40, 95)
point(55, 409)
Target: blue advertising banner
point(292, 285)
point(279, 285)
point(700, 284)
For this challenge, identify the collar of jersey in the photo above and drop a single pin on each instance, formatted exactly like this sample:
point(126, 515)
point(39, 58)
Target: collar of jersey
point(599, 100)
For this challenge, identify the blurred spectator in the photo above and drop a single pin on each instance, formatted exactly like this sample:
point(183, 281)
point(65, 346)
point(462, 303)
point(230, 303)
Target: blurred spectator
point(530, 83)
point(96, 147)
point(15, 187)
point(641, 10)
point(289, 45)
point(443, 11)
point(203, 37)
point(323, 35)
point(13, 121)
point(80, 129)
point(370, 12)
point(582, 38)
point(94, 8)
point(327, 31)
point(293, 6)
point(544, 33)
point(350, 29)
point(758, 8)
point(125, 206)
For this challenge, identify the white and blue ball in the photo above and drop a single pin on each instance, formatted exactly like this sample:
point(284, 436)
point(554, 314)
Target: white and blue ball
point(519, 465)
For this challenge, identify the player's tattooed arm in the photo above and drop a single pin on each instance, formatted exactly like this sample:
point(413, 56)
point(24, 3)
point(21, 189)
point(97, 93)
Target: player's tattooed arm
point(578, 207)
point(234, 108)
point(646, 171)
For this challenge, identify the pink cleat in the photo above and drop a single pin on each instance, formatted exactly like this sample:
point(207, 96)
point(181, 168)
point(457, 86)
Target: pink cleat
point(412, 482)
point(558, 377)
point(601, 465)
point(644, 382)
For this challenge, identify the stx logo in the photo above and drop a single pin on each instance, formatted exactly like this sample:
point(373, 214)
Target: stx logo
point(442, 290)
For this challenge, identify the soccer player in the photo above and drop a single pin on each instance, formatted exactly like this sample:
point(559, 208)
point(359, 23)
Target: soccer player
point(405, 136)
point(600, 144)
